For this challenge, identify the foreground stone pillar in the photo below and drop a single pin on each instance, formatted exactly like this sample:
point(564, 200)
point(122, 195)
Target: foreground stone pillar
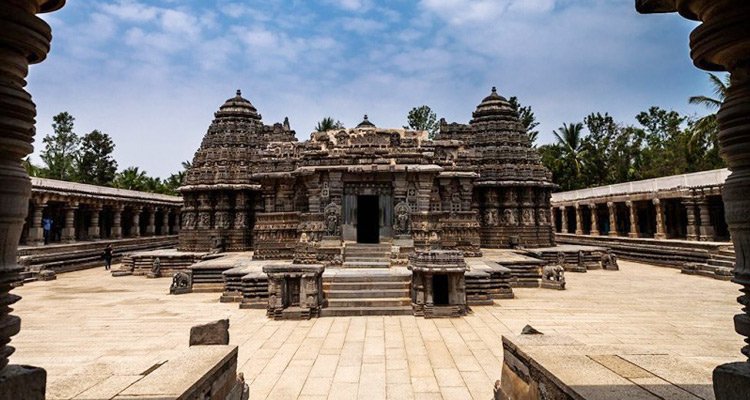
point(612, 219)
point(721, 43)
point(594, 220)
point(706, 226)
point(692, 223)
point(579, 219)
point(117, 221)
point(36, 232)
point(24, 39)
point(69, 229)
point(564, 220)
point(660, 225)
point(633, 219)
point(94, 231)
point(553, 219)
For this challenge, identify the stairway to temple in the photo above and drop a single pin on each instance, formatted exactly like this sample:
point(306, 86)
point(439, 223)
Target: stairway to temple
point(374, 291)
point(720, 265)
point(360, 255)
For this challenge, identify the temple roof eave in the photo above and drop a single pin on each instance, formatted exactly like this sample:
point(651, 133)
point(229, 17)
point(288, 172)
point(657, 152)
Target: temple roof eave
point(220, 186)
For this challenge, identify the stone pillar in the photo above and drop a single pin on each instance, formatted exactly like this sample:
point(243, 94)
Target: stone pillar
point(177, 221)
point(553, 218)
point(633, 219)
point(428, 289)
point(151, 226)
point(24, 39)
point(36, 232)
point(692, 222)
point(69, 229)
point(564, 220)
point(594, 220)
point(165, 221)
point(706, 226)
point(94, 231)
point(117, 221)
point(579, 219)
point(135, 229)
point(721, 43)
point(612, 208)
point(660, 226)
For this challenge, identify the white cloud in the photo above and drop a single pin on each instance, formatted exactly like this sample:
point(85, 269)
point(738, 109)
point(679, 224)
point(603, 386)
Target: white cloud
point(363, 26)
point(353, 5)
point(129, 10)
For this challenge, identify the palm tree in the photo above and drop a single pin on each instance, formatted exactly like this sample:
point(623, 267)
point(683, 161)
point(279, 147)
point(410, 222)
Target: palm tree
point(328, 124)
point(131, 178)
point(705, 128)
point(720, 87)
point(569, 138)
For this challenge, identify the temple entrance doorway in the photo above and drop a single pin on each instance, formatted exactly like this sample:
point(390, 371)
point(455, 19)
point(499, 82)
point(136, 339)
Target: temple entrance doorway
point(440, 290)
point(291, 295)
point(368, 219)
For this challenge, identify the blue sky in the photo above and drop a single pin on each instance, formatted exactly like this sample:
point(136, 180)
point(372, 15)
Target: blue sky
point(152, 73)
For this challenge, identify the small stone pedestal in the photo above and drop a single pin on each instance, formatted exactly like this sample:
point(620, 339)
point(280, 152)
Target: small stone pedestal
point(438, 283)
point(22, 382)
point(295, 291)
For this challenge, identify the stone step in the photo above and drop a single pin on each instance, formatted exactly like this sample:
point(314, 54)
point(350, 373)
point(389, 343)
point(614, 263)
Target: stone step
point(367, 294)
point(361, 311)
point(366, 264)
point(365, 285)
point(362, 278)
point(367, 253)
point(367, 259)
point(724, 257)
point(721, 263)
point(369, 302)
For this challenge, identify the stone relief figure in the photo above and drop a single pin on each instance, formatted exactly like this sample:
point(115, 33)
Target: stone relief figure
point(403, 225)
point(490, 218)
point(332, 216)
point(205, 220)
point(541, 216)
point(188, 221)
point(527, 218)
point(240, 221)
point(510, 217)
point(222, 220)
point(609, 261)
point(156, 266)
point(581, 260)
point(561, 259)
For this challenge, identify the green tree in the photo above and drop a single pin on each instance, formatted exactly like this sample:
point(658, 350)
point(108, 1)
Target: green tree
point(95, 164)
point(31, 169)
point(569, 138)
point(527, 117)
point(60, 148)
point(131, 178)
point(720, 87)
point(328, 124)
point(422, 118)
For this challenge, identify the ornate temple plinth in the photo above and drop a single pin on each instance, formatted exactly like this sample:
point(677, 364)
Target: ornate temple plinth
point(294, 291)
point(438, 284)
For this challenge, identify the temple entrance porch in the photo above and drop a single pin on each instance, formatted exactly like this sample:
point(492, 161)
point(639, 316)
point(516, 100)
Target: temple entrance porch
point(367, 212)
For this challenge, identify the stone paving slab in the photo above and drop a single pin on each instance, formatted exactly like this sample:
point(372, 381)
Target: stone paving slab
point(91, 332)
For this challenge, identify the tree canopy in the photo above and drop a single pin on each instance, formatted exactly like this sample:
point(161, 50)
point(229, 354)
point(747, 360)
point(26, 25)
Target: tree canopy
point(422, 118)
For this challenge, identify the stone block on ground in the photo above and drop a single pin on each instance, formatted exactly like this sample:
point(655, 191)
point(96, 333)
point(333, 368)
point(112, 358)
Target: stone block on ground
point(47, 275)
point(212, 333)
point(732, 381)
point(22, 382)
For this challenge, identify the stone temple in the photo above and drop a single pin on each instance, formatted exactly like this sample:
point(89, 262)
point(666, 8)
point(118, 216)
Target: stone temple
point(255, 187)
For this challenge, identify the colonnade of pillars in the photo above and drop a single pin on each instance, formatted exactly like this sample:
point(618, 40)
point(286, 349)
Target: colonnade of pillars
point(637, 219)
point(71, 221)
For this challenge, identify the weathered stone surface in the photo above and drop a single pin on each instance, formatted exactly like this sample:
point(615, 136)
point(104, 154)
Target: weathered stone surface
point(212, 333)
point(22, 382)
point(732, 381)
point(47, 275)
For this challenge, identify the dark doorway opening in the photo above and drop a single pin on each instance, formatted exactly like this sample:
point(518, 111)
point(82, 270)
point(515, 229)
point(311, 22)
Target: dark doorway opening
point(368, 219)
point(292, 292)
point(440, 290)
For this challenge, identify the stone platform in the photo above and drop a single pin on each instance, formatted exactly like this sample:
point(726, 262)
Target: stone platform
point(86, 329)
point(139, 263)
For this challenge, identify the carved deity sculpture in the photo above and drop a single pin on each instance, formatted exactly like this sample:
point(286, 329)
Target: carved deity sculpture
point(541, 217)
point(205, 220)
point(490, 217)
point(527, 217)
point(403, 223)
point(510, 217)
point(609, 260)
point(561, 259)
point(188, 220)
point(332, 216)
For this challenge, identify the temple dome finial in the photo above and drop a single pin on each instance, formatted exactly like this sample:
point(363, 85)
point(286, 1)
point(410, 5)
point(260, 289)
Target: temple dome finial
point(239, 92)
point(494, 89)
point(366, 123)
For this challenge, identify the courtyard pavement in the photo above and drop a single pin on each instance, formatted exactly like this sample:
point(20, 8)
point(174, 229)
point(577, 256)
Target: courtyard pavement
point(88, 330)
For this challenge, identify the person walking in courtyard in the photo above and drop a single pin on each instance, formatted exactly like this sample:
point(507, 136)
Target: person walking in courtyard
point(47, 228)
point(107, 256)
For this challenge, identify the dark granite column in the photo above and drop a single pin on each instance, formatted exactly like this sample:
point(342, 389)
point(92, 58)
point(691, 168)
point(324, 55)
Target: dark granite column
point(69, 229)
point(612, 219)
point(117, 221)
point(661, 232)
point(151, 225)
point(579, 219)
point(24, 39)
point(706, 225)
point(36, 232)
point(633, 219)
point(94, 231)
point(692, 222)
point(722, 43)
